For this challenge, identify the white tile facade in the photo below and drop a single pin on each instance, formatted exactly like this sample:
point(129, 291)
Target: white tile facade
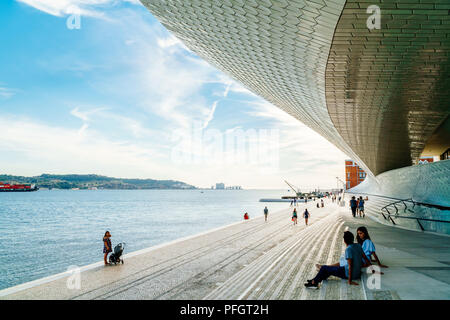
point(377, 95)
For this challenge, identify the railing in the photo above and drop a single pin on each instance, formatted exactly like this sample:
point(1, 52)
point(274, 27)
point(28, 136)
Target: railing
point(430, 205)
point(402, 204)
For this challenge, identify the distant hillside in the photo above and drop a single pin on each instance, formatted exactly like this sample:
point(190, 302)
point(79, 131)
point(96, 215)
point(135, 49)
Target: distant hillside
point(85, 181)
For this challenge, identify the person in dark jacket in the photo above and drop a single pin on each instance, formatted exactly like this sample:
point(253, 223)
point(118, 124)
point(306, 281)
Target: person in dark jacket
point(353, 206)
point(306, 216)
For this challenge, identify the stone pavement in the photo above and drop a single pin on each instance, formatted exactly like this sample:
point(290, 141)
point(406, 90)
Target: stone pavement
point(255, 259)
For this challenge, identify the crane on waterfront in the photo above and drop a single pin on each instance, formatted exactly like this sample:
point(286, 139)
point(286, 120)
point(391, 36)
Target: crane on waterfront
point(343, 183)
point(295, 189)
point(300, 194)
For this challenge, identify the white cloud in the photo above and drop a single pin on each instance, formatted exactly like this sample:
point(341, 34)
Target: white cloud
point(173, 83)
point(211, 114)
point(168, 42)
point(64, 7)
point(305, 156)
point(63, 150)
point(7, 93)
point(85, 116)
point(118, 121)
point(169, 81)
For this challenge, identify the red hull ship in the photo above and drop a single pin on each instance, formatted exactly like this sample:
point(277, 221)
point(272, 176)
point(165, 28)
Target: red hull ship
point(6, 187)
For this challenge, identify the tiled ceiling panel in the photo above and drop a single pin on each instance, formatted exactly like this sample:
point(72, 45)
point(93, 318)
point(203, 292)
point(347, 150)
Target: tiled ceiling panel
point(388, 89)
point(385, 89)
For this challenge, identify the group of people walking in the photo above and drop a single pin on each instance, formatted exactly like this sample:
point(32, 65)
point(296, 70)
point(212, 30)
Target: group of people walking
point(294, 202)
point(357, 206)
point(306, 215)
point(321, 204)
point(336, 199)
point(294, 218)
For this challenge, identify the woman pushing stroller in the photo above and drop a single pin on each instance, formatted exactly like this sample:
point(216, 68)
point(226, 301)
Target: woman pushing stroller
point(115, 256)
point(106, 246)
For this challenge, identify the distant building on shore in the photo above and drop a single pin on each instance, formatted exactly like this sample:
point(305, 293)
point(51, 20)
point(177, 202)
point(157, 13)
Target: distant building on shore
point(220, 186)
point(424, 160)
point(354, 175)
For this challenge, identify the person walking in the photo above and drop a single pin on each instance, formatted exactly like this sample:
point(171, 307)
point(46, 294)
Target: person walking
point(294, 216)
point(106, 246)
point(306, 215)
point(361, 207)
point(266, 212)
point(321, 203)
point(353, 206)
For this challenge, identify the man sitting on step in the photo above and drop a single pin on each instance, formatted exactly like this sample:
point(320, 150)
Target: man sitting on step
point(349, 266)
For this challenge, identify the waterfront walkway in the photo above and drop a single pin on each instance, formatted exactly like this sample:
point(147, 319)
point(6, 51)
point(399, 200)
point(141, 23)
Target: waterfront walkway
point(255, 259)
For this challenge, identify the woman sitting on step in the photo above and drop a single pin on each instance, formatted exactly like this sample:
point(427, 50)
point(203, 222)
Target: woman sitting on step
point(363, 238)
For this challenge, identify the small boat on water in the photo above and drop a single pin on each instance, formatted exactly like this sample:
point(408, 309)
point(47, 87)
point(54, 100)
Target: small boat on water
point(6, 187)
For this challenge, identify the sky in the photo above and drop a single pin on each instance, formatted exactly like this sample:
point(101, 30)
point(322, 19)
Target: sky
point(101, 87)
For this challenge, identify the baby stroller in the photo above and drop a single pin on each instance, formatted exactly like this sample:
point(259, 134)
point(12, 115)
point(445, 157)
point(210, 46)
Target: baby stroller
point(115, 256)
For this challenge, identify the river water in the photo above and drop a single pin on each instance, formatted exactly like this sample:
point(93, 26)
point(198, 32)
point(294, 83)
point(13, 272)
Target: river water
point(45, 232)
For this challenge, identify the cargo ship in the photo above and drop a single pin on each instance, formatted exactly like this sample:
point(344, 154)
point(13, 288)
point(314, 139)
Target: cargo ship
point(6, 187)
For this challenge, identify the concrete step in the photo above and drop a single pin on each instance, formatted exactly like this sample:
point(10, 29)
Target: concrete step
point(280, 273)
point(239, 282)
point(265, 260)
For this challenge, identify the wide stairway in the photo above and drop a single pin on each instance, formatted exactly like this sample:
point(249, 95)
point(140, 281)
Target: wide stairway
point(260, 260)
point(248, 260)
point(281, 272)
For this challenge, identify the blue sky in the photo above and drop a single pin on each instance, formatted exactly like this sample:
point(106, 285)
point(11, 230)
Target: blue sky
point(118, 95)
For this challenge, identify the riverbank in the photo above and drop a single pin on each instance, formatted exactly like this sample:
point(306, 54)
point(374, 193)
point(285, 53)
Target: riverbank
point(259, 260)
point(65, 228)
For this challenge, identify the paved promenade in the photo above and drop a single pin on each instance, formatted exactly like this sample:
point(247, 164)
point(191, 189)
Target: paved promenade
point(255, 259)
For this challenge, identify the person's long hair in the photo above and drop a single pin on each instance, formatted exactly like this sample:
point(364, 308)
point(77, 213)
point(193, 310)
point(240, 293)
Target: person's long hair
point(366, 235)
point(105, 234)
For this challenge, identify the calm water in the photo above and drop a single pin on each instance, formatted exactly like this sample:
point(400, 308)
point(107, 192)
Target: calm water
point(44, 232)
